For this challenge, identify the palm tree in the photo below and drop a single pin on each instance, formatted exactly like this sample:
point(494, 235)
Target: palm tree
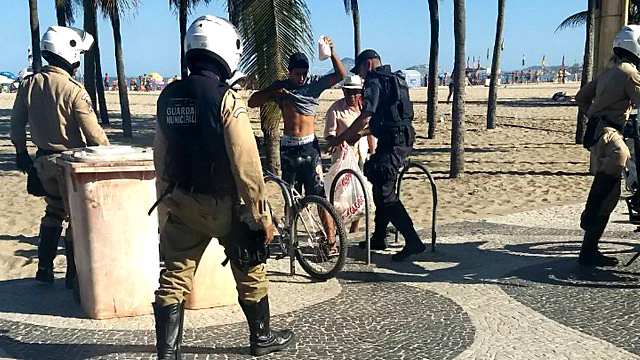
point(90, 26)
point(495, 67)
point(432, 85)
point(587, 66)
point(112, 9)
point(457, 122)
point(64, 12)
point(104, 114)
point(183, 7)
point(351, 6)
point(35, 36)
point(93, 69)
point(271, 30)
point(580, 18)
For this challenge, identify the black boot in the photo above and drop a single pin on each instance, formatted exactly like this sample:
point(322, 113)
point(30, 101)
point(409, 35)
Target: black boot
point(47, 248)
point(379, 236)
point(169, 322)
point(402, 221)
point(589, 253)
point(262, 339)
point(70, 277)
point(595, 217)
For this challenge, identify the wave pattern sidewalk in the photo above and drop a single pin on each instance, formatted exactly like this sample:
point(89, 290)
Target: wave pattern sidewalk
point(502, 288)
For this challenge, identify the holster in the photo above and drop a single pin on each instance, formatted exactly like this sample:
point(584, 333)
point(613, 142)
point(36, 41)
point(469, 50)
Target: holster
point(244, 246)
point(595, 127)
point(34, 185)
point(379, 168)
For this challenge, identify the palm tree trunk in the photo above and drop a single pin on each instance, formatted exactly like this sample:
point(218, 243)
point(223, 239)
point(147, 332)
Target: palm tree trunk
point(271, 131)
point(122, 80)
point(587, 67)
point(355, 13)
point(61, 15)
point(95, 54)
point(183, 32)
point(35, 36)
point(495, 67)
point(457, 122)
point(432, 86)
point(104, 115)
point(90, 21)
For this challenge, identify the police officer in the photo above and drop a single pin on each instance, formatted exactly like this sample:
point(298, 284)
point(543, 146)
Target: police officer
point(61, 117)
point(607, 101)
point(206, 153)
point(388, 112)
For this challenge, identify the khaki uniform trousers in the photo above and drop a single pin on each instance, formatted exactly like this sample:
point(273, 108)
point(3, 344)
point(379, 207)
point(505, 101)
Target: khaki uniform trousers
point(609, 156)
point(52, 178)
point(192, 221)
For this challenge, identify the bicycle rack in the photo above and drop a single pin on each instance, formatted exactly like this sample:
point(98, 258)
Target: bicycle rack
point(366, 204)
point(412, 164)
point(288, 198)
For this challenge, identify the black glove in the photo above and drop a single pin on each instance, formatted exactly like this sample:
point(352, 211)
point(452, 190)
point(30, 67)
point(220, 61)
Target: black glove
point(24, 161)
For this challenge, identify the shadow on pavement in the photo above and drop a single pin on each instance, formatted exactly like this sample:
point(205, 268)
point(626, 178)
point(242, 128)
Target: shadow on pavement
point(478, 262)
point(33, 351)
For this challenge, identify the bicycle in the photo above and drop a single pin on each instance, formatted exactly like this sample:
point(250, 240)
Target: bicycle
point(301, 234)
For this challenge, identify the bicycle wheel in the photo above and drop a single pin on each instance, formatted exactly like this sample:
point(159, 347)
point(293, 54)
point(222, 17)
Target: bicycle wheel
point(311, 238)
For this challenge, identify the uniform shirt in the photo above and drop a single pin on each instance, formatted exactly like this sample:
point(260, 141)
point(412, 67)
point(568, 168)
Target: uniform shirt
point(242, 151)
point(611, 94)
point(304, 97)
point(371, 92)
point(339, 117)
point(59, 112)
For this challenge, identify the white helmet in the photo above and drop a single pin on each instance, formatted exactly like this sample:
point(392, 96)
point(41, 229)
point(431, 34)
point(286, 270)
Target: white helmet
point(629, 39)
point(66, 42)
point(237, 81)
point(219, 38)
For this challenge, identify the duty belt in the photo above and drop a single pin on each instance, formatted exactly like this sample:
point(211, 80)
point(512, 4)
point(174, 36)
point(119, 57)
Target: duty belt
point(397, 136)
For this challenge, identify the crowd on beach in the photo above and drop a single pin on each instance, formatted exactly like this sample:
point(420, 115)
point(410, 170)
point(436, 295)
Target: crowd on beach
point(143, 83)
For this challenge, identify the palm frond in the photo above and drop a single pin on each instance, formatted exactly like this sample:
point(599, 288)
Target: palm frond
point(175, 4)
point(634, 12)
point(68, 9)
point(574, 20)
point(272, 30)
point(350, 6)
point(109, 7)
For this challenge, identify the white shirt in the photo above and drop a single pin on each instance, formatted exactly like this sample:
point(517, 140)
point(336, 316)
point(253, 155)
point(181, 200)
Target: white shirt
point(338, 119)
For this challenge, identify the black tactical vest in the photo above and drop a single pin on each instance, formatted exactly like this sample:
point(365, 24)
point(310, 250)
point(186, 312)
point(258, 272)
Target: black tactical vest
point(189, 118)
point(394, 110)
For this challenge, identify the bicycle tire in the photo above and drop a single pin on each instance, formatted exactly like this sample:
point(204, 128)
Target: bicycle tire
point(341, 238)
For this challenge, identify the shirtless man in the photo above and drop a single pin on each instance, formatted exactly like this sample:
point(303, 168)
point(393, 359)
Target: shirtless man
point(297, 97)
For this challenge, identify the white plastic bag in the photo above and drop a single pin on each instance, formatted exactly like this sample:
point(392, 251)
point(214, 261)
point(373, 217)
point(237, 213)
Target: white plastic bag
point(349, 196)
point(324, 50)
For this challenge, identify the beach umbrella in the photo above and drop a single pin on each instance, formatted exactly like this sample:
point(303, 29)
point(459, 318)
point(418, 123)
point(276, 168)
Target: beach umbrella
point(155, 75)
point(156, 78)
point(9, 74)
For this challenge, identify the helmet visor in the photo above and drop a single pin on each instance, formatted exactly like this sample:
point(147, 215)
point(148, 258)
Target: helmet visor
point(86, 39)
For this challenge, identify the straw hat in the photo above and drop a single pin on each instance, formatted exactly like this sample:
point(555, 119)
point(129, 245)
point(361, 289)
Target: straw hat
point(352, 82)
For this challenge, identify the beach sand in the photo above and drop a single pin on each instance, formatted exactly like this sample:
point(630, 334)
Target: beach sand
point(529, 161)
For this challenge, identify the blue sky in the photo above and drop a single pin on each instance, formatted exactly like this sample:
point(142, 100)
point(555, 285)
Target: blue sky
point(398, 29)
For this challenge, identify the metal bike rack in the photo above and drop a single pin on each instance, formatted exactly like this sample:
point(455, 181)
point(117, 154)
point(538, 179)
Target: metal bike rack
point(288, 198)
point(366, 203)
point(412, 164)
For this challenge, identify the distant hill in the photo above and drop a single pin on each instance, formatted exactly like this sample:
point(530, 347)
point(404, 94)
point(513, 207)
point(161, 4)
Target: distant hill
point(348, 64)
point(423, 69)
